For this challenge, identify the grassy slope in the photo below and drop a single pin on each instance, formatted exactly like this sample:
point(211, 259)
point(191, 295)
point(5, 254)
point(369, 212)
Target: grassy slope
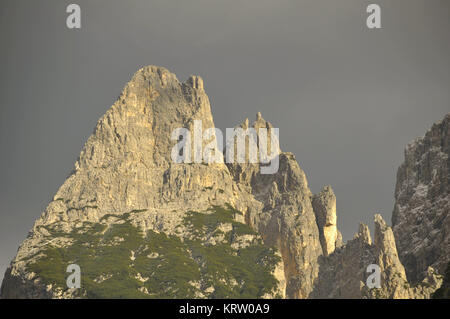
point(171, 265)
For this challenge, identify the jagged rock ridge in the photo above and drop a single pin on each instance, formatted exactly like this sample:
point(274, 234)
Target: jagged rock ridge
point(343, 273)
point(421, 216)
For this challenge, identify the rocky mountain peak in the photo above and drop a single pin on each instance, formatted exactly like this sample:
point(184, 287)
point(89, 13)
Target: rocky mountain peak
point(364, 233)
point(195, 82)
point(421, 216)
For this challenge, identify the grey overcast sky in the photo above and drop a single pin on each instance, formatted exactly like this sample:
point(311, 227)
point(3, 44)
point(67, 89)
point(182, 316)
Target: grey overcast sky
point(346, 99)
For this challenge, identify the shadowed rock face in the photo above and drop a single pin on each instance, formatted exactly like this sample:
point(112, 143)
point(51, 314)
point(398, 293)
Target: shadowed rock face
point(421, 216)
point(444, 291)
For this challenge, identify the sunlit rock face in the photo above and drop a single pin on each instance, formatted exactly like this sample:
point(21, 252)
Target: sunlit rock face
point(324, 205)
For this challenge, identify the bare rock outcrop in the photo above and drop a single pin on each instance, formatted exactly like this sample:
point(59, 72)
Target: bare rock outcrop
point(344, 273)
point(285, 217)
point(324, 205)
point(421, 216)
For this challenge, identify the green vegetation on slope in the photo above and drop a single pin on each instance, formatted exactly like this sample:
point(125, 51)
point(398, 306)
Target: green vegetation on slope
point(234, 273)
point(122, 262)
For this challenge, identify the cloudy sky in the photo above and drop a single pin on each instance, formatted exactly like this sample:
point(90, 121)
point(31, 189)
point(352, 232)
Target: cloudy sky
point(346, 99)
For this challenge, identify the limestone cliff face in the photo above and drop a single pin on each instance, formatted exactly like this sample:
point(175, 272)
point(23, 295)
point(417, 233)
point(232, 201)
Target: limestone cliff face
point(284, 216)
point(344, 273)
point(421, 217)
point(324, 205)
point(414, 254)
